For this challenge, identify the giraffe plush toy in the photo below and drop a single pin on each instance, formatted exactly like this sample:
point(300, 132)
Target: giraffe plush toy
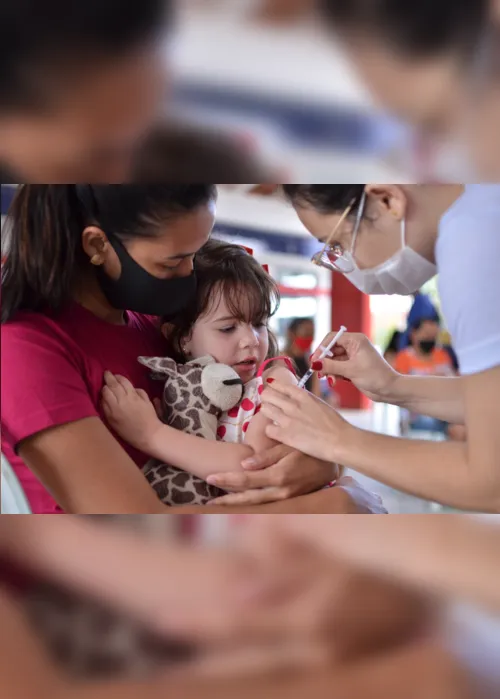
point(195, 396)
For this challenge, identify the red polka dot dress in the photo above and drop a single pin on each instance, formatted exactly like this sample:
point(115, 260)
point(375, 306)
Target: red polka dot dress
point(234, 423)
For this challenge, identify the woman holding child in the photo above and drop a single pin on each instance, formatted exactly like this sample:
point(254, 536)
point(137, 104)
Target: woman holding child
point(90, 270)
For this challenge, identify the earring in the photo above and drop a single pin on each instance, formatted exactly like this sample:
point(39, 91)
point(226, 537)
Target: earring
point(95, 260)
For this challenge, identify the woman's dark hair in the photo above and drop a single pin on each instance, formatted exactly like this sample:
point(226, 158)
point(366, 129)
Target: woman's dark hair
point(324, 198)
point(228, 271)
point(43, 41)
point(45, 223)
point(418, 29)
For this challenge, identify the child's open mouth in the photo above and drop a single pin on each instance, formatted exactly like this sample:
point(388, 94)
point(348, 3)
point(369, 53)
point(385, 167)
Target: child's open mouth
point(247, 364)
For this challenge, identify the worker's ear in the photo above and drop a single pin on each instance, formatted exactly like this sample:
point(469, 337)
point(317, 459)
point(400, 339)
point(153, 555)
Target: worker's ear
point(387, 199)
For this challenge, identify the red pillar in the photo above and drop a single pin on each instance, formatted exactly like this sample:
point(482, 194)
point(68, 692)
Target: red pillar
point(350, 307)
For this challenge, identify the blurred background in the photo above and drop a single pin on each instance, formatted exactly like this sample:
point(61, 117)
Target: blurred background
point(314, 301)
point(267, 71)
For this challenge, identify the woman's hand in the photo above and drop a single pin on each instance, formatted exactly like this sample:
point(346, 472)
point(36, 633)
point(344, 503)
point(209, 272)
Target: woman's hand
point(303, 421)
point(130, 412)
point(356, 359)
point(278, 474)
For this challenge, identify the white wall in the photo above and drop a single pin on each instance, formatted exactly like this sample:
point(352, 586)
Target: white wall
point(260, 213)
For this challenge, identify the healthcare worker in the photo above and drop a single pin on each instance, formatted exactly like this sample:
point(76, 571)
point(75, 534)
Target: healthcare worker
point(447, 51)
point(390, 239)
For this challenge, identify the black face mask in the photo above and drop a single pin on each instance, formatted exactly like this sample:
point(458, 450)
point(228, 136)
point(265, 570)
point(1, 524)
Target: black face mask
point(138, 290)
point(428, 346)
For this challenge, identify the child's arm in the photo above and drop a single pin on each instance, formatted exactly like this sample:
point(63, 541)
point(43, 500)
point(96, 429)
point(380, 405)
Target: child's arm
point(256, 434)
point(133, 416)
point(201, 457)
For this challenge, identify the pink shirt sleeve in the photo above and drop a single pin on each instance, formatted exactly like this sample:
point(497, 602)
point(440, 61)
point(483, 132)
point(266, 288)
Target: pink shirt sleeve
point(42, 381)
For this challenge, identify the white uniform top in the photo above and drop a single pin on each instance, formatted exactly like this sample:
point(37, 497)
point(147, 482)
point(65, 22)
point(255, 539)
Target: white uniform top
point(468, 261)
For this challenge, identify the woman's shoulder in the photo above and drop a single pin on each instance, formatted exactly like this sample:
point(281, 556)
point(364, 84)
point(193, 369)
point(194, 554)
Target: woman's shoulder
point(26, 324)
point(36, 345)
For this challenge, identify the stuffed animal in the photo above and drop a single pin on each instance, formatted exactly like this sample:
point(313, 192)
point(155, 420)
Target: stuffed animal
point(195, 396)
point(91, 641)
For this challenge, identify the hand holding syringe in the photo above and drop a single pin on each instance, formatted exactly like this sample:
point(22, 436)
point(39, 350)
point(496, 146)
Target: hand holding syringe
point(325, 352)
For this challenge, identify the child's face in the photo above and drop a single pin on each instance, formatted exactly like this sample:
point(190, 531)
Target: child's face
point(229, 340)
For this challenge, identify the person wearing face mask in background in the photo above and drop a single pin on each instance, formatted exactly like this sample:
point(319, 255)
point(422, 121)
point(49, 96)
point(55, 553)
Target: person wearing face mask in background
point(424, 357)
point(87, 271)
point(422, 307)
point(300, 338)
point(391, 239)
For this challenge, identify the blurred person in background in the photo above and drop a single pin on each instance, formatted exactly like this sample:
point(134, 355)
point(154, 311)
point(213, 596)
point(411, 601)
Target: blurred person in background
point(435, 559)
point(300, 337)
point(422, 307)
point(391, 239)
point(424, 357)
point(447, 51)
point(299, 346)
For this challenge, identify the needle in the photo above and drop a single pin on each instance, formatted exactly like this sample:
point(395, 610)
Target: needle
point(325, 353)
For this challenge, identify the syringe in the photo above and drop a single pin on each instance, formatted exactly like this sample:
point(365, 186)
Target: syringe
point(326, 351)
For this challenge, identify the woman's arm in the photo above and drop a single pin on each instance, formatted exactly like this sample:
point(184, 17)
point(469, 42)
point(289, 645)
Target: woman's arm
point(454, 556)
point(358, 360)
point(88, 472)
point(438, 397)
point(27, 673)
point(462, 475)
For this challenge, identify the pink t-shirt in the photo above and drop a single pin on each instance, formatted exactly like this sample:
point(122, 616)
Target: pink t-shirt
point(52, 373)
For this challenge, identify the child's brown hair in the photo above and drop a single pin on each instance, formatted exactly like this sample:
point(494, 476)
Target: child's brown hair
point(228, 271)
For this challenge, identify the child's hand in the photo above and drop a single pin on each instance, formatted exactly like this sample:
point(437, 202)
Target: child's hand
point(129, 411)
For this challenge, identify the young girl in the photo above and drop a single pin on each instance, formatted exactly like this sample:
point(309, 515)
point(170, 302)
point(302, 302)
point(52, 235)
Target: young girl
point(228, 319)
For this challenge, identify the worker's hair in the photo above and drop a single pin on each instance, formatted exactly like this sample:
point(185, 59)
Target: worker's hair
point(423, 29)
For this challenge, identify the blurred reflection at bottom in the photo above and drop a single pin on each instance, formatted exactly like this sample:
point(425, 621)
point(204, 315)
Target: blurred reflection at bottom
point(150, 606)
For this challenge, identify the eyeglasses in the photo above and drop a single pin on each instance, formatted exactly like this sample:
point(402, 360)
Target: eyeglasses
point(334, 257)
